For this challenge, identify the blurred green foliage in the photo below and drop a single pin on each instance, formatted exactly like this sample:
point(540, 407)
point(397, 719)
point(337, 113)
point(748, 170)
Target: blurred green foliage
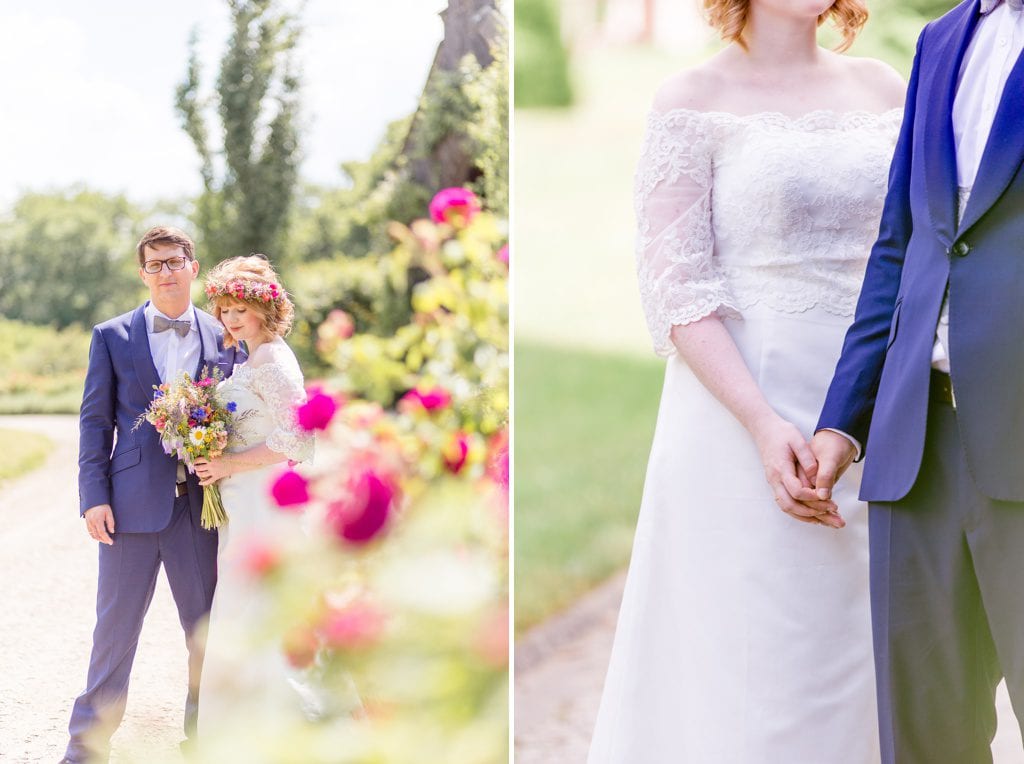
point(249, 179)
point(542, 74)
point(68, 258)
point(42, 370)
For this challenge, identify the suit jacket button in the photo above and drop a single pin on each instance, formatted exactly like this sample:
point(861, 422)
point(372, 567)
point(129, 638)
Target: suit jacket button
point(961, 249)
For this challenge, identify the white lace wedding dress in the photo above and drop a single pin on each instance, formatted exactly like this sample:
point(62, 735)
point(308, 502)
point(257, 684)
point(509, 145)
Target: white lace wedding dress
point(244, 669)
point(744, 636)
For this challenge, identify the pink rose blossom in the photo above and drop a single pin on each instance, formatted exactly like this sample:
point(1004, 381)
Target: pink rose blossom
point(457, 206)
point(429, 400)
point(455, 452)
point(497, 467)
point(259, 558)
point(503, 254)
point(359, 517)
point(317, 412)
point(300, 646)
point(354, 626)
point(290, 489)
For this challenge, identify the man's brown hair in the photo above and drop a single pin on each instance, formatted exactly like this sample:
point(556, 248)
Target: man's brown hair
point(165, 236)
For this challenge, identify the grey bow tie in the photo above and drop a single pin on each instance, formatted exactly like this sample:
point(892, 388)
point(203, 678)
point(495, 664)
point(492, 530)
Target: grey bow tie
point(161, 324)
point(990, 5)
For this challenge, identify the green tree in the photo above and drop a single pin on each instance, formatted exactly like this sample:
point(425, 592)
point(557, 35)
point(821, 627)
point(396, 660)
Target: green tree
point(542, 61)
point(249, 180)
point(69, 258)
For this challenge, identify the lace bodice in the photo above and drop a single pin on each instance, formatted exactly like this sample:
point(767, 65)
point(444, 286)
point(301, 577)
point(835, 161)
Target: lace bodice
point(733, 211)
point(266, 396)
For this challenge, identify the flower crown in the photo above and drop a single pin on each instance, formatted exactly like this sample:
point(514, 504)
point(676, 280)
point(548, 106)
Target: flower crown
point(246, 289)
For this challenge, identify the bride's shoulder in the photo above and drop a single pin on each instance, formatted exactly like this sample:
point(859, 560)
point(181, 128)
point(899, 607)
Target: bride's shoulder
point(877, 80)
point(273, 353)
point(691, 90)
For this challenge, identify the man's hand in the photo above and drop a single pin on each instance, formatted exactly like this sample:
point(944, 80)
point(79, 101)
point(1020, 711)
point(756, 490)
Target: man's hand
point(99, 521)
point(834, 454)
point(790, 468)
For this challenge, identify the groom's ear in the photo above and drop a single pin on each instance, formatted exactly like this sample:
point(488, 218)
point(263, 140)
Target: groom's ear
point(195, 267)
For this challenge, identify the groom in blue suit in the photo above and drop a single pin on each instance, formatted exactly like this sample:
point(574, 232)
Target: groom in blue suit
point(138, 502)
point(930, 388)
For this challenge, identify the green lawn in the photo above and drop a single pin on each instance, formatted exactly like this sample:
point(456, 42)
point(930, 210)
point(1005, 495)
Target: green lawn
point(26, 452)
point(583, 428)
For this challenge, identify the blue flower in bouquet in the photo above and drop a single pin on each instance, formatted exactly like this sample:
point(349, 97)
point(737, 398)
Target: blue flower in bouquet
point(232, 406)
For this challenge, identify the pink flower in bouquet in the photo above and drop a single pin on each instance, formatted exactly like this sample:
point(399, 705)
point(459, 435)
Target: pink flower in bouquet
point(426, 399)
point(290, 490)
point(300, 646)
point(318, 411)
point(356, 625)
point(360, 516)
point(259, 558)
point(503, 254)
point(457, 206)
point(455, 452)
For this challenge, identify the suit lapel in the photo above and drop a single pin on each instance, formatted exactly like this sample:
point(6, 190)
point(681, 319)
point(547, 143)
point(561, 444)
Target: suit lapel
point(940, 145)
point(1004, 150)
point(142, 356)
point(209, 351)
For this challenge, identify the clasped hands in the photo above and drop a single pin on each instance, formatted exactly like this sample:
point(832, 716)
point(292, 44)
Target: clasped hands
point(801, 474)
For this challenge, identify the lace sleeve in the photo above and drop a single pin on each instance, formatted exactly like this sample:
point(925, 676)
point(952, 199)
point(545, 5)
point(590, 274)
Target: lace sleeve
point(679, 280)
point(282, 390)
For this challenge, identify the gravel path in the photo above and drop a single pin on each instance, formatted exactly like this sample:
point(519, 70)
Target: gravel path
point(560, 669)
point(47, 606)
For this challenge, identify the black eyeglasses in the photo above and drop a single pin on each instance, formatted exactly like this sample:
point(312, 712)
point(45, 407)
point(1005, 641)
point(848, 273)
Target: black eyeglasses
point(172, 263)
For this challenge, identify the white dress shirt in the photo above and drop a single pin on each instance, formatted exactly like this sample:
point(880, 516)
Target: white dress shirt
point(172, 354)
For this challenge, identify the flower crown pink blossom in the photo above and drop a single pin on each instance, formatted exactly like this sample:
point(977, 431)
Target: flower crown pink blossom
point(246, 289)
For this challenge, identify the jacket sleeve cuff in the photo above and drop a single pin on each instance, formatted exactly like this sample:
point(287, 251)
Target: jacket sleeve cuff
point(853, 440)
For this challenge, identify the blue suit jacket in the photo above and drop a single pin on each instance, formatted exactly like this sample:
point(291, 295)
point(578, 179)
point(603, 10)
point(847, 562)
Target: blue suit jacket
point(118, 464)
point(880, 390)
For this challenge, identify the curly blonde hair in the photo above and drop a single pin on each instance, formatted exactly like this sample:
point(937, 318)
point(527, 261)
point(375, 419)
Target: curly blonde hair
point(729, 17)
point(256, 271)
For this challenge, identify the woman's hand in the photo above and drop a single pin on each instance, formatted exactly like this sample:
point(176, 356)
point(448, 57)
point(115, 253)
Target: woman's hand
point(790, 468)
point(212, 470)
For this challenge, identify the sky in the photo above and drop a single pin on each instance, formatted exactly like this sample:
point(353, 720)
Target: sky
point(88, 88)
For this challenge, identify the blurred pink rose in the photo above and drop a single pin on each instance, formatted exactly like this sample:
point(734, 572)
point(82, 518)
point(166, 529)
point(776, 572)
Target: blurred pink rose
point(318, 410)
point(427, 399)
point(497, 463)
point(455, 452)
point(259, 557)
point(356, 625)
point(300, 646)
point(492, 639)
point(359, 517)
point(503, 254)
point(290, 489)
point(457, 206)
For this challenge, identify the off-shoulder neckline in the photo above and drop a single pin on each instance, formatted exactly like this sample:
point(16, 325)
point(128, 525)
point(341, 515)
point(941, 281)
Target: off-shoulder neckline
point(829, 117)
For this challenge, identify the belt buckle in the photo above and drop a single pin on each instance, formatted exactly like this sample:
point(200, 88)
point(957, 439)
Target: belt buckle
point(180, 489)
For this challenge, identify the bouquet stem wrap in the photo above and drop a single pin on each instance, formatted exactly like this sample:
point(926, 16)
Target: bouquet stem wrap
point(214, 515)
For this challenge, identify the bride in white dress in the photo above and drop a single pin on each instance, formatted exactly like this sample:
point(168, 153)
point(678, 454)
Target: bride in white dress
point(744, 634)
point(240, 663)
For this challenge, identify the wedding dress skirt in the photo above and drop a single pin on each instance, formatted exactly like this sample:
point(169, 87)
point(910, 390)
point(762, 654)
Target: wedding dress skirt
point(246, 679)
point(744, 635)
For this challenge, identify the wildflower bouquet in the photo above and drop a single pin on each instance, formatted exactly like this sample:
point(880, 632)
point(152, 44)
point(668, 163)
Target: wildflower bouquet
point(194, 423)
